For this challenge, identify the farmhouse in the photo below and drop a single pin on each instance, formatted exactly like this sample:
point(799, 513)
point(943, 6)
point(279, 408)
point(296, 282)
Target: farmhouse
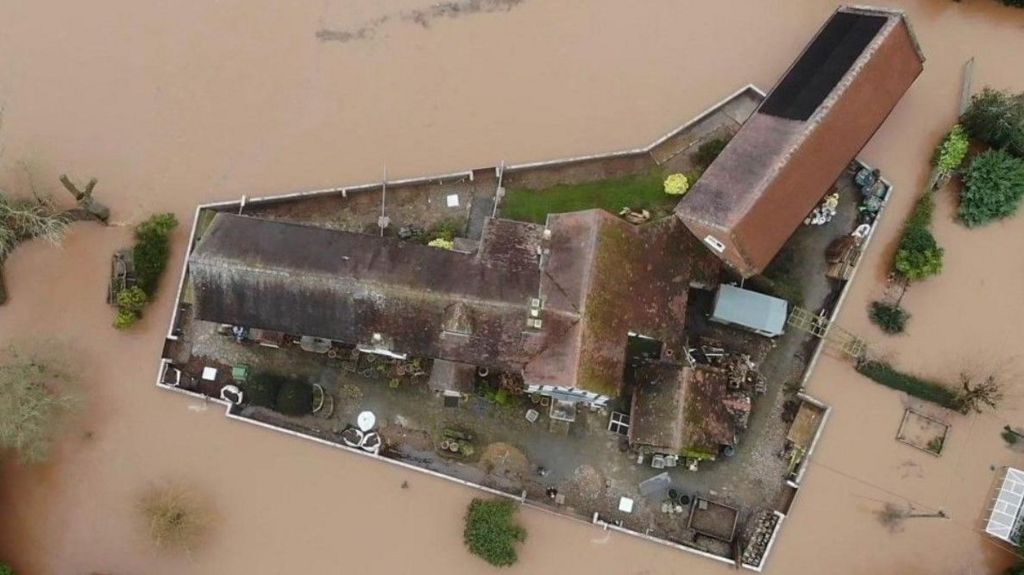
point(554, 304)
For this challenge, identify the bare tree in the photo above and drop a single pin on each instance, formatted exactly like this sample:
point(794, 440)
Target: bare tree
point(177, 517)
point(25, 219)
point(976, 396)
point(33, 400)
point(892, 516)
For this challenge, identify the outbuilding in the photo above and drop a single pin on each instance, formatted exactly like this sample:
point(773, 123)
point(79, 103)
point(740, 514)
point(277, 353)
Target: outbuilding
point(760, 313)
point(787, 155)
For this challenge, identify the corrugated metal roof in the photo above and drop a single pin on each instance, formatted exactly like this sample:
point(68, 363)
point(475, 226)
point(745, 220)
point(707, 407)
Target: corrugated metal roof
point(750, 309)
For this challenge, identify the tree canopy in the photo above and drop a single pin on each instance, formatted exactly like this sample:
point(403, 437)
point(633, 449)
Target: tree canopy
point(993, 188)
point(997, 118)
point(919, 255)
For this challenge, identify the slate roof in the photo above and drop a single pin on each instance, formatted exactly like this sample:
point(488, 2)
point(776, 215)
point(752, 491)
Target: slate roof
point(615, 278)
point(657, 414)
point(677, 408)
point(451, 376)
point(344, 286)
point(599, 277)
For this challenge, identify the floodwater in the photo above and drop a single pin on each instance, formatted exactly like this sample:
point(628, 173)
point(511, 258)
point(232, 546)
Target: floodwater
point(171, 104)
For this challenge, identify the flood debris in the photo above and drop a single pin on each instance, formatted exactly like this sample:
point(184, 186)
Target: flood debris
point(421, 16)
point(764, 525)
point(89, 207)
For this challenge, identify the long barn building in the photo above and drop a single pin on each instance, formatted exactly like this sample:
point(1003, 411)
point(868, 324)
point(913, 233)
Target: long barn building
point(785, 158)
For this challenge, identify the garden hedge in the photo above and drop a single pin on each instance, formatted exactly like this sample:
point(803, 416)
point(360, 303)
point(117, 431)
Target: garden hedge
point(491, 531)
point(885, 374)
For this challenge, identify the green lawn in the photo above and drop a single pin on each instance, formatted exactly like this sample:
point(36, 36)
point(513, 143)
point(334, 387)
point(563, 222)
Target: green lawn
point(641, 191)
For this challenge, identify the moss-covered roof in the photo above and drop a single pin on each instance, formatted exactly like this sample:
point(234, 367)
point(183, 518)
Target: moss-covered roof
point(598, 277)
point(619, 278)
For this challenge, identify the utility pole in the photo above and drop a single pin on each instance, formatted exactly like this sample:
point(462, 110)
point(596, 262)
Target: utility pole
point(382, 221)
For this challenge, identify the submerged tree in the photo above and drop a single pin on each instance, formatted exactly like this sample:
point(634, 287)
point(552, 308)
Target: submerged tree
point(976, 396)
point(177, 518)
point(892, 516)
point(25, 219)
point(997, 118)
point(890, 317)
point(918, 255)
point(993, 188)
point(33, 402)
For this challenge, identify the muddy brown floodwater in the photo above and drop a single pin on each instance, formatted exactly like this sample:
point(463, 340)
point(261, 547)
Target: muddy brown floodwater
point(171, 104)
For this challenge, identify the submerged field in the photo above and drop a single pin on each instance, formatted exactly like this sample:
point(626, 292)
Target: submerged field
point(180, 104)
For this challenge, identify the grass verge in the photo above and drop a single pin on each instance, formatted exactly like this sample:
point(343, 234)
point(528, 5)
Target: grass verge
point(639, 191)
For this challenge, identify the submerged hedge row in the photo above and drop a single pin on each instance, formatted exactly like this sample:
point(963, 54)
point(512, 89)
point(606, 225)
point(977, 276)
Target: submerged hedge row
point(887, 375)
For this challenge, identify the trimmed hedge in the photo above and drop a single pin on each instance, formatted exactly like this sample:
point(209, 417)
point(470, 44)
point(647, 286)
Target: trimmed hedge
point(887, 375)
point(152, 249)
